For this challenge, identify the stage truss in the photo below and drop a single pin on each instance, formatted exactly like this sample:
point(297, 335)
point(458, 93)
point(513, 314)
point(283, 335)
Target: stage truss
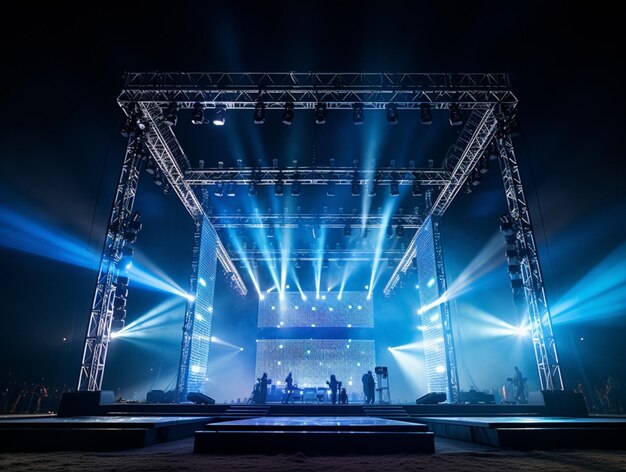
point(487, 98)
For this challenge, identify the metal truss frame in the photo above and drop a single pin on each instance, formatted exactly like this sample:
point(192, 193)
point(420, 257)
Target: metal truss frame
point(534, 291)
point(305, 89)
point(483, 94)
point(317, 176)
point(98, 333)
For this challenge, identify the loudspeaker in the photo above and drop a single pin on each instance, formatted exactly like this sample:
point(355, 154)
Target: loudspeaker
point(155, 396)
point(200, 398)
point(431, 398)
point(565, 403)
point(84, 403)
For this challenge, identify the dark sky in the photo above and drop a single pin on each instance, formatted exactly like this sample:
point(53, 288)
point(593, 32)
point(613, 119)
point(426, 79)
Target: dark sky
point(60, 148)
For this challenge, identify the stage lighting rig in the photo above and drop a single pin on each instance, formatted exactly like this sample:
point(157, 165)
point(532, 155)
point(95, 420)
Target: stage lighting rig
point(389, 231)
point(288, 113)
point(475, 177)
point(158, 178)
point(279, 186)
point(150, 167)
point(295, 186)
point(426, 116)
point(170, 114)
point(219, 116)
point(330, 189)
point(455, 117)
point(320, 113)
point(483, 166)
point(252, 188)
point(197, 117)
point(357, 114)
point(392, 114)
point(347, 230)
point(219, 189)
point(493, 152)
point(400, 231)
point(417, 188)
point(394, 188)
point(259, 113)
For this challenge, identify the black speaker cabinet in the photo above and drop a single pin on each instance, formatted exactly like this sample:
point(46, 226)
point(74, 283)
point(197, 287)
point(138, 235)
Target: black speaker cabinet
point(155, 396)
point(84, 403)
point(564, 403)
point(200, 398)
point(431, 398)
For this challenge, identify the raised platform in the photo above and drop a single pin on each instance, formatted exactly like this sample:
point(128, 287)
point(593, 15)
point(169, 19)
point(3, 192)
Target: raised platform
point(315, 435)
point(538, 432)
point(93, 433)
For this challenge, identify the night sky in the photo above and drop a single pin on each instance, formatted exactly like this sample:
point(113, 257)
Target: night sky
point(60, 152)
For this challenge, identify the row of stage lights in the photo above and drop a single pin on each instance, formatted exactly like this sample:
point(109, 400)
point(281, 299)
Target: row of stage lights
point(170, 114)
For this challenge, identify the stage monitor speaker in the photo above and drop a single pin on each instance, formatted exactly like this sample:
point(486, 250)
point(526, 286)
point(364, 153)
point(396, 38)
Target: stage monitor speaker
point(84, 403)
point(155, 396)
point(565, 403)
point(200, 398)
point(431, 398)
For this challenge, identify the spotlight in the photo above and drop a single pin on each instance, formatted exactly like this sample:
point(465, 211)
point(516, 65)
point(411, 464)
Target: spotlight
point(320, 113)
point(392, 114)
point(426, 116)
point(455, 117)
point(356, 188)
point(468, 188)
point(117, 325)
point(219, 117)
point(330, 189)
point(295, 186)
point(197, 117)
point(483, 166)
point(230, 190)
point(347, 230)
point(372, 189)
point(357, 114)
point(493, 152)
point(169, 115)
point(127, 128)
point(394, 189)
point(279, 188)
point(158, 178)
point(475, 178)
point(270, 231)
point(288, 113)
point(417, 189)
point(252, 190)
point(507, 228)
point(259, 113)
point(150, 167)
point(389, 231)
point(135, 223)
point(399, 231)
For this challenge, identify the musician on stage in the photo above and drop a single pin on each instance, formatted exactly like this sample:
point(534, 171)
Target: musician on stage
point(518, 383)
point(334, 385)
point(288, 387)
point(263, 382)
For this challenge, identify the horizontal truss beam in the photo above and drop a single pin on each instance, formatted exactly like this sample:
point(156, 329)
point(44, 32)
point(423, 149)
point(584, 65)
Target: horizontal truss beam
point(372, 90)
point(317, 176)
point(356, 221)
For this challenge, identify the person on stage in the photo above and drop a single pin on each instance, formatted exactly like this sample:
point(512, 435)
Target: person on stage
point(518, 383)
point(369, 387)
point(343, 396)
point(288, 387)
point(263, 387)
point(334, 385)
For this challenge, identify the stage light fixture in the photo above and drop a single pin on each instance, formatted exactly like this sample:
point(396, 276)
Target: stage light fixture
point(288, 113)
point(259, 113)
point(357, 114)
point(372, 189)
point(279, 188)
point(324, 266)
point(320, 113)
point(426, 116)
point(506, 227)
point(394, 188)
point(295, 186)
point(399, 231)
point(392, 114)
point(230, 189)
point(117, 324)
point(158, 178)
point(197, 117)
point(468, 188)
point(483, 166)
point(455, 117)
point(347, 230)
point(270, 231)
point(414, 265)
point(493, 152)
point(150, 167)
point(330, 189)
point(127, 128)
point(417, 189)
point(219, 116)
point(252, 188)
point(475, 178)
point(389, 231)
point(135, 223)
point(219, 189)
point(170, 114)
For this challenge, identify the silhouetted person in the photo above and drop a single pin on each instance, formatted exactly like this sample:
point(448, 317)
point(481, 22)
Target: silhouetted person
point(334, 385)
point(369, 387)
point(343, 396)
point(288, 387)
point(263, 388)
point(518, 383)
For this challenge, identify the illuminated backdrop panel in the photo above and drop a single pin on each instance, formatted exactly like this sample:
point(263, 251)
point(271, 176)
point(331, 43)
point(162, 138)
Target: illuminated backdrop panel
point(328, 311)
point(312, 361)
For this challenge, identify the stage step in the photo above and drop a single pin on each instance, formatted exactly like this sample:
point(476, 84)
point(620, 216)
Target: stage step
point(314, 435)
point(386, 411)
point(240, 412)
